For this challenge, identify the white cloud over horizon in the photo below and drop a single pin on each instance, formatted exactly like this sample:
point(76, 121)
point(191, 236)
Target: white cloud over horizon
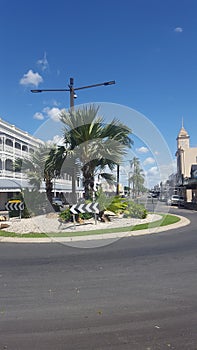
point(155, 174)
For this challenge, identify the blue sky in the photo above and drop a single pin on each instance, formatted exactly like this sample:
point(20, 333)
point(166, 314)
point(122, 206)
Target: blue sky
point(148, 46)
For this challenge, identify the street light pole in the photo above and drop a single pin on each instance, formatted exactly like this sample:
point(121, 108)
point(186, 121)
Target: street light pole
point(118, 180)
point(72, 90)
point(71, 86)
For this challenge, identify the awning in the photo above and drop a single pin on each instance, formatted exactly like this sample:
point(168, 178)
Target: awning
point(7, 185)
point(14, 185)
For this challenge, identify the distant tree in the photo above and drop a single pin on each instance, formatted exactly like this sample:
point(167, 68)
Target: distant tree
point(38, 167)
point(137, 177)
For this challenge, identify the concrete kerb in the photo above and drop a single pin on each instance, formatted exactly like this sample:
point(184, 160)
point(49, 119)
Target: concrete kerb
point(183, 222)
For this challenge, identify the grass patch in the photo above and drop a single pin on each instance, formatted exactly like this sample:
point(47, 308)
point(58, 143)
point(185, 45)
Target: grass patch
point(164, 221)
point(19, 235)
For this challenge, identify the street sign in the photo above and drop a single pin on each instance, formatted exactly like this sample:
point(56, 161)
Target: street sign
point(12, 205)
point(85, 208)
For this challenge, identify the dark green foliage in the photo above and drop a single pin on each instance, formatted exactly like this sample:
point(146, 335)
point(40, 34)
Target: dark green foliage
point(119, 205)
point(65, 215)
point(86, 216)
point(135, 210)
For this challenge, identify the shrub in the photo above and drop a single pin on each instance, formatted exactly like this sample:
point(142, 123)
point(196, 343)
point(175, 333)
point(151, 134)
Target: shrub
point(86, 216)
point(66, 215)
point(135, 210)
point(118, 205)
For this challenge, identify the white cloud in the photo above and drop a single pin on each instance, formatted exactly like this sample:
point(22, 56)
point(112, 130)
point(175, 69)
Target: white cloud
point(148, 161)
point(152, 177)
point(52, 113)
point(31, 78)
point(153, 171)
point(178, 30)
point(142, 149)
point(47, 112)
point(43, 63)
point(57, 140)
point(155, 174)
point(38, 116)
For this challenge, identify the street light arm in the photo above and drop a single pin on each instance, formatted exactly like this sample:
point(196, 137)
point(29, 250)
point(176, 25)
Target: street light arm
point(95, 85)
point(75, 88)
point(44, 90)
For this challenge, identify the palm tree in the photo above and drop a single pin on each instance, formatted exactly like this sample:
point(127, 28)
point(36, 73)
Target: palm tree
point(63, 160)
point(137, 178)
point(39, 168)
point(95, 145)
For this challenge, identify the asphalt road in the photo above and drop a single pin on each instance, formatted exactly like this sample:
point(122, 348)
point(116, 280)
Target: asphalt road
point(138, 293)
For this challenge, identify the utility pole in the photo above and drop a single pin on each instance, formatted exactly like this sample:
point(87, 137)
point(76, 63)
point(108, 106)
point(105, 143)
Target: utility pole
point(72, 89)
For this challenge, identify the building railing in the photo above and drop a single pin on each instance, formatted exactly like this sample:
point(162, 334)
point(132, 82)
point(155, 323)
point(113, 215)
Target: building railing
point(9, 173)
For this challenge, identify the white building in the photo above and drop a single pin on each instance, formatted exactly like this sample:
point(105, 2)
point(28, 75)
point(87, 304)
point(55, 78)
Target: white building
point(16, 143)
point(186, 166)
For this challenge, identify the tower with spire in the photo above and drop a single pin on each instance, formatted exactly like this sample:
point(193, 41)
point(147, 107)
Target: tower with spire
point(183, 138)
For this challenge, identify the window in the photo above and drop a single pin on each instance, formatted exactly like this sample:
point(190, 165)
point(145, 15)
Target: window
point(24, 148)
point(9, 165)
point(17, 145)
point(9, 142)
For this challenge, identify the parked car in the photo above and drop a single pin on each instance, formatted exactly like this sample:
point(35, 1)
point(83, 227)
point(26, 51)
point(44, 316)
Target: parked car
point(57, 201)
point(175, 200)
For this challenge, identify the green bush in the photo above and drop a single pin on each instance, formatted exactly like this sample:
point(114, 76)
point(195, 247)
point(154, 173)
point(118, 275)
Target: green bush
point(118, 205)
point(86, 216)
point(135, 210)
point(66, 215)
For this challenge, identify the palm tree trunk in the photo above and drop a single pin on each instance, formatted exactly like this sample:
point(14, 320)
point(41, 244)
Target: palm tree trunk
point(74, 194)
point(49, 190)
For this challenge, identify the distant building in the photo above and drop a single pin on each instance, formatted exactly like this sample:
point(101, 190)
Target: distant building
point(186, 166)
point(16, 143)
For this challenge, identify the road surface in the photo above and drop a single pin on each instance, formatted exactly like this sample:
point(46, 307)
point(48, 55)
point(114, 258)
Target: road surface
point(138, 293)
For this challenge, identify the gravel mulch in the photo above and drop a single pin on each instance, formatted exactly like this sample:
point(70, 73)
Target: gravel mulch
point(50, 223)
